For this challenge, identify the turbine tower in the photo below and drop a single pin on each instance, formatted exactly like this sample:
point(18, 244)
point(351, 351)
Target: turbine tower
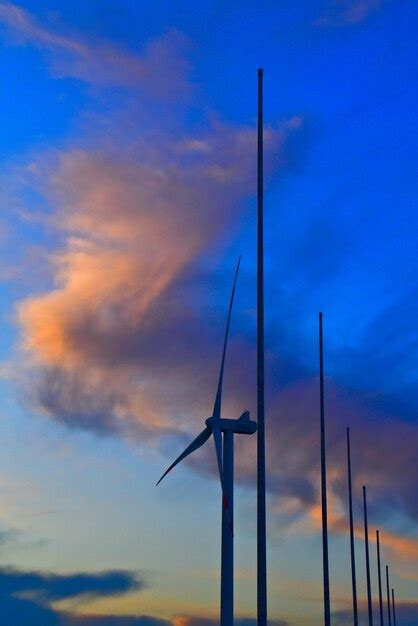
point(224, 449)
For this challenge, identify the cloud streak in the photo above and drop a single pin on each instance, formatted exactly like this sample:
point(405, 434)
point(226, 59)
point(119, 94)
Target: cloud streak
point(161, 70)
point(348, 12)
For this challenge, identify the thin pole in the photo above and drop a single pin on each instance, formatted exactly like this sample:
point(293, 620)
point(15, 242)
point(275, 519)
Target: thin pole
point(393, 608)
point(379, 574)
point(327, 607)
point(261, 458)
point(366, 543)
point(353, 556)
point(388, 595)
point(227, 564)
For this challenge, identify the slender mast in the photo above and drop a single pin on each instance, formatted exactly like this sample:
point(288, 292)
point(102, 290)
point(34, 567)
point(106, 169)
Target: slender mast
point(388, 595)
point(393, 608)
point(379, 575)
point(261, 460)
point(353, 556)
point(327, 607)
point(366, 543)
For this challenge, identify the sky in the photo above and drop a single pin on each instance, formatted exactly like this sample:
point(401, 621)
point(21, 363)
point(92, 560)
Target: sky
point(127, 193)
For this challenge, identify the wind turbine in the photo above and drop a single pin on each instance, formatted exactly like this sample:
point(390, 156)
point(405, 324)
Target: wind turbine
point(224, 449)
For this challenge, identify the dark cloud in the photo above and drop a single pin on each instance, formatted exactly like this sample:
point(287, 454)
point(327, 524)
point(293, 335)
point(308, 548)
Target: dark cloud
point(113, 620)
point(189, 620)
point(25, 597)
point(18, 611)
point(53, 587)
point(406, 615)
point(388, 351)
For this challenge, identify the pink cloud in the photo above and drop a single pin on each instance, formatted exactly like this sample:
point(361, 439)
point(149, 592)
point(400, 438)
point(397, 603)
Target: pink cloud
point(132, 221)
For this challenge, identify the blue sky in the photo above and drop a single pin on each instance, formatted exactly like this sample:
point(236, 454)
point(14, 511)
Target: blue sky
point(127, 193)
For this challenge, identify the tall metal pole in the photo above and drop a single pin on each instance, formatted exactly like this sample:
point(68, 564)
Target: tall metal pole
point(393, 608)
point(353, 556)
point(227, 558)
point(366, 543)
point(388, 596)
point(379, 575)
point(261, 458)
point(327, 606)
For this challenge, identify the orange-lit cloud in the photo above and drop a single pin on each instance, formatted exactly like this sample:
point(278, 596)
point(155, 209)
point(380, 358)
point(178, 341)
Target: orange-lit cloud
point(131, 222)
point(402, 549)
point(132, 209)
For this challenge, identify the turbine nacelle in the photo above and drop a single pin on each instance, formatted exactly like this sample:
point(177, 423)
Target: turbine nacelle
point(242, 425)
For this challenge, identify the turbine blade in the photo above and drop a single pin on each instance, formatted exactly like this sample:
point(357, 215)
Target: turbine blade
point(218, 398)
point(195, 445)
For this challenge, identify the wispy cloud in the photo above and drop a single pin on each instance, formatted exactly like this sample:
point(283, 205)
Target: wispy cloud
point(348, 12)
point(160, 69)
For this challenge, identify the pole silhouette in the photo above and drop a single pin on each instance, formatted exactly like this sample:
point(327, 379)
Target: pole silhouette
point(393, 608)
point(325, 560)
point(366, 543)
point(261, 459)
point(388, 595)
point(379, 576)
point(352, 550)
